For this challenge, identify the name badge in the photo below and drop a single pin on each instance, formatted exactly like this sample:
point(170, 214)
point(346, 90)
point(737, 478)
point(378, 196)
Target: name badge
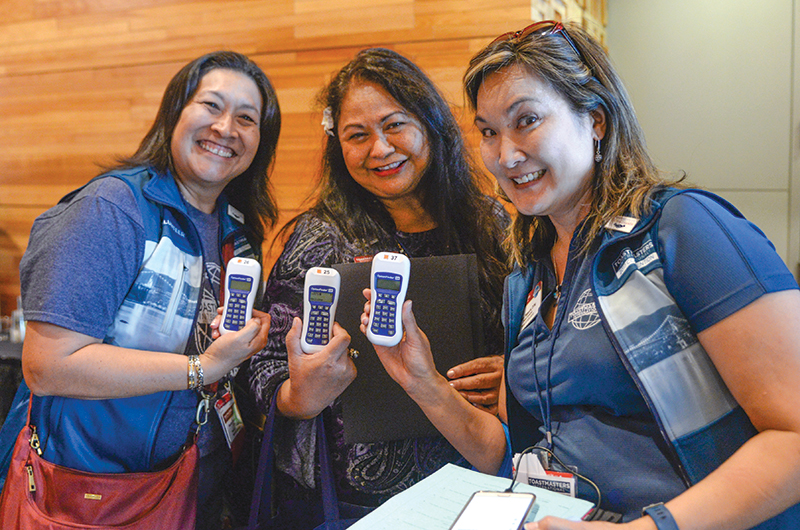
point(531, 471)
point(236, 214)
point(231, 419)
point(622, 224)
point(532, 305)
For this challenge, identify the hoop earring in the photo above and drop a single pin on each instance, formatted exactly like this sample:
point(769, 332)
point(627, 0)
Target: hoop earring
point(598, 156)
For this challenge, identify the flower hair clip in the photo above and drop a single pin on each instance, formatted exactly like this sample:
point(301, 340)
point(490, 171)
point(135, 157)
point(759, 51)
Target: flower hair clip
point(327, 121)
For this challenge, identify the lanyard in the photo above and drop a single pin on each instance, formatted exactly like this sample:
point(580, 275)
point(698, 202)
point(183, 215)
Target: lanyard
point(546, 395)
point(544, 400)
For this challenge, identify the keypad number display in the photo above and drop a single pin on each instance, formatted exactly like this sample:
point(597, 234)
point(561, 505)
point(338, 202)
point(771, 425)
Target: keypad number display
point(319, 316)
point(238, 289)
point(388, 283)
point(387, 287)
point(241, 283)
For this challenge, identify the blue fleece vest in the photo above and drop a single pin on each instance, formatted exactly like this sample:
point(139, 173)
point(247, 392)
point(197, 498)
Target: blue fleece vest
point(158, 314)
point(694, 410)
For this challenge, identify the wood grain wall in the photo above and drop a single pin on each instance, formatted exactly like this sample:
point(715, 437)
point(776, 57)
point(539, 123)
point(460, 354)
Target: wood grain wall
point(80, 80)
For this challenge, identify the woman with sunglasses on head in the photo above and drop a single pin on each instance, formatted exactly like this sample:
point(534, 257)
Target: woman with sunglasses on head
point(651, 331)
point(396, 177)
point(121, 283)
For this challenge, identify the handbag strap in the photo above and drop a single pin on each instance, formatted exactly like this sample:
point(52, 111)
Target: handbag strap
point(261, 503)
point(30, 406)
point(330, 503)
point(262, 498)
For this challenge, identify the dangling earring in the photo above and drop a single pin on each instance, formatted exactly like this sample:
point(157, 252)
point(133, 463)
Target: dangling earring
point(598, 156)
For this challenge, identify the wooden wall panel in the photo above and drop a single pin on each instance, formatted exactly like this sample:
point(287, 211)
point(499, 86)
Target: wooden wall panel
point(95, 34)
point(80, 80)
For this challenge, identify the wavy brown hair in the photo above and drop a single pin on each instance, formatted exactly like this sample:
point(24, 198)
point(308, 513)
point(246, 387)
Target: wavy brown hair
point(450, 190)
point(583, 75)
point(251, 192)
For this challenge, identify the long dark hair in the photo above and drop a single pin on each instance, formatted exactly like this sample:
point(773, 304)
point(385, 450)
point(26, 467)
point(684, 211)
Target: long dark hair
point(578, 68)
point(250, 192)
point(468, 221)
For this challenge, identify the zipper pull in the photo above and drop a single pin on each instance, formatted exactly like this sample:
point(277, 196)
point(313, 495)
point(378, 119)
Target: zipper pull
point(35, 445)
point(201, 416)
point(31, 483)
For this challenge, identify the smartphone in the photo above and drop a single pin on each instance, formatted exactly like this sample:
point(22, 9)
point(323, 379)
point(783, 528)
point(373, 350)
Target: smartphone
point(494, 510)
point(241, 285)
point(320, 297)
point(388, 282)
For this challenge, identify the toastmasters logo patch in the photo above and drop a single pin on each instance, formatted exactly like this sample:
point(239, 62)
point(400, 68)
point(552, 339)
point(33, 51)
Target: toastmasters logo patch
point(641, 258)
point(584, 315)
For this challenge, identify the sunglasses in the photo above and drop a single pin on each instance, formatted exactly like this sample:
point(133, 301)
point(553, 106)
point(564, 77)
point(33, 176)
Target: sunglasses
point(553, 27)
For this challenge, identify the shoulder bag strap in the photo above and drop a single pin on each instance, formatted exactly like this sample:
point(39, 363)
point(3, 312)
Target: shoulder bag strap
point(262, 496)
point(261, 504)
point(330, 503)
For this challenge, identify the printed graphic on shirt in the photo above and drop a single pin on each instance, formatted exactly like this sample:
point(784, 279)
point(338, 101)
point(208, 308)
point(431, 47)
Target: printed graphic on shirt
point(673, 336)
point(584, 315)
point(158, 312)
point(208, 309)
point(687, 392)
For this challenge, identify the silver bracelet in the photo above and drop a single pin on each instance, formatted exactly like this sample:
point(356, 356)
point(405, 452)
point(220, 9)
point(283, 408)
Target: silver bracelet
point(199, 368)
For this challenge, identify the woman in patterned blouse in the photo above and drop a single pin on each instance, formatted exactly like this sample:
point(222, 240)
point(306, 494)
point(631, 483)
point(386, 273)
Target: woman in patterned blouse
point(395, 176)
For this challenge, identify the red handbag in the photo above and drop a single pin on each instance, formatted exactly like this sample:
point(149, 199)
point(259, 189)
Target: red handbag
point(39, 495)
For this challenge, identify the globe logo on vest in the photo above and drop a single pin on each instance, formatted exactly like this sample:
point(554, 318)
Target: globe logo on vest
point(584, 315)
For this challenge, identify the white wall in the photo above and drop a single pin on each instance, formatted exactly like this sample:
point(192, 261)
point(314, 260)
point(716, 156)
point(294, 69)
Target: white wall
point(712, 84)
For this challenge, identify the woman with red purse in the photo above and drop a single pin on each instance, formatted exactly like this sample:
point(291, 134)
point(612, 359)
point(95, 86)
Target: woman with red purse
point(120, 285)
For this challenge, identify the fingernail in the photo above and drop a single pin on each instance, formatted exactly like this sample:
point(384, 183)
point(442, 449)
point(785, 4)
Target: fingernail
point(451, 374)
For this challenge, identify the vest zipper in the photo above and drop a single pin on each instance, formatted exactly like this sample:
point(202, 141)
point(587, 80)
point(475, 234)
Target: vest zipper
point(675, 458)
point(172, 308)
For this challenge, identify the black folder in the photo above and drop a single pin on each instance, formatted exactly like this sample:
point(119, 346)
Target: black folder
point(446, 299)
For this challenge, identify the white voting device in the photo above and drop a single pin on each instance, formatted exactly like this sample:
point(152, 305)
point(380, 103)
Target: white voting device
point(320, 297)
point(388, 282)
point(241, 284)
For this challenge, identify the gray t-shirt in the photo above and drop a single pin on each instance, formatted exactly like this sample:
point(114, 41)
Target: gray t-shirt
point(82, 259)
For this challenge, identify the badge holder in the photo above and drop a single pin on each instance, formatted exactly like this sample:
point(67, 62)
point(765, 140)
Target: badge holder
point(532, 471)
point(231, 420)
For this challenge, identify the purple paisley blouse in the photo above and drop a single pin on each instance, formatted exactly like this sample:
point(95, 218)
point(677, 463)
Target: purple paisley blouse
point(365, 474)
